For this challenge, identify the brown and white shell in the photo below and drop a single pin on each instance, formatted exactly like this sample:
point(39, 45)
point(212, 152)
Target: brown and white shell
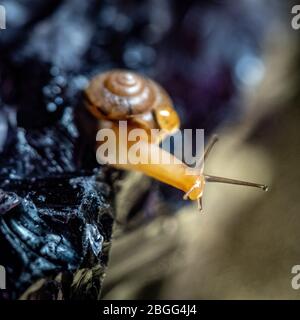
point(122, 94)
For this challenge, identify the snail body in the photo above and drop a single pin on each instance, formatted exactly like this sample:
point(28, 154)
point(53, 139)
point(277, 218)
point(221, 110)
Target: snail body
point(122, 95)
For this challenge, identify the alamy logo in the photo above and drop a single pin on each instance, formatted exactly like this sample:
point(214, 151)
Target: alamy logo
point(296, 19)
point(2, 18)
point(2, 278)
point(296, 279)
point(125, 146)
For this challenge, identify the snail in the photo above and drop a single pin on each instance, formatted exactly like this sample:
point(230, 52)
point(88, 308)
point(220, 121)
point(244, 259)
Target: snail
point(122, 95)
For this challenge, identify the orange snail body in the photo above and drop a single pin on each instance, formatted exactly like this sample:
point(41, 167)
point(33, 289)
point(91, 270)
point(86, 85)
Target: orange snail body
point(124, 95)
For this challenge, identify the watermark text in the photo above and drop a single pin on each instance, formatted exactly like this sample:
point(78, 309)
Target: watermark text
point(296, 18)
point(2, 18)
point(2, 278)
point(127, 146)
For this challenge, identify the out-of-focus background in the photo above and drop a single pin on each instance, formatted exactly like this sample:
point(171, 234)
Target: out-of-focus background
point(233, 68)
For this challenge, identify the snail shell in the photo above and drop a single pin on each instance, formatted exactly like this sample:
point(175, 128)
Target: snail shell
point(122, 94)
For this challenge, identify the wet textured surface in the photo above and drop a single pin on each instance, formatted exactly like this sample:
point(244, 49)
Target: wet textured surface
point(55, 200)
point(55, 214)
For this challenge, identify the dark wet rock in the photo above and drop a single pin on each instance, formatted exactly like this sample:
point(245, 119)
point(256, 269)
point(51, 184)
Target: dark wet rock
point(8, 201)
point(55, 200)
point(57, 227)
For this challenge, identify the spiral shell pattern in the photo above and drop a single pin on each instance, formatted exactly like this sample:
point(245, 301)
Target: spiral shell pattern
point(120, 94)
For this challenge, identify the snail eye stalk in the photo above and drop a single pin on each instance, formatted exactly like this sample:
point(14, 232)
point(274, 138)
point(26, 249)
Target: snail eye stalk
point(209, 178)
point(209, 147)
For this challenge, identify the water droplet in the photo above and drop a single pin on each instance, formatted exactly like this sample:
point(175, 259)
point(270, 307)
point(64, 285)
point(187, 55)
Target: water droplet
point(51, 107)
point(95, 238)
